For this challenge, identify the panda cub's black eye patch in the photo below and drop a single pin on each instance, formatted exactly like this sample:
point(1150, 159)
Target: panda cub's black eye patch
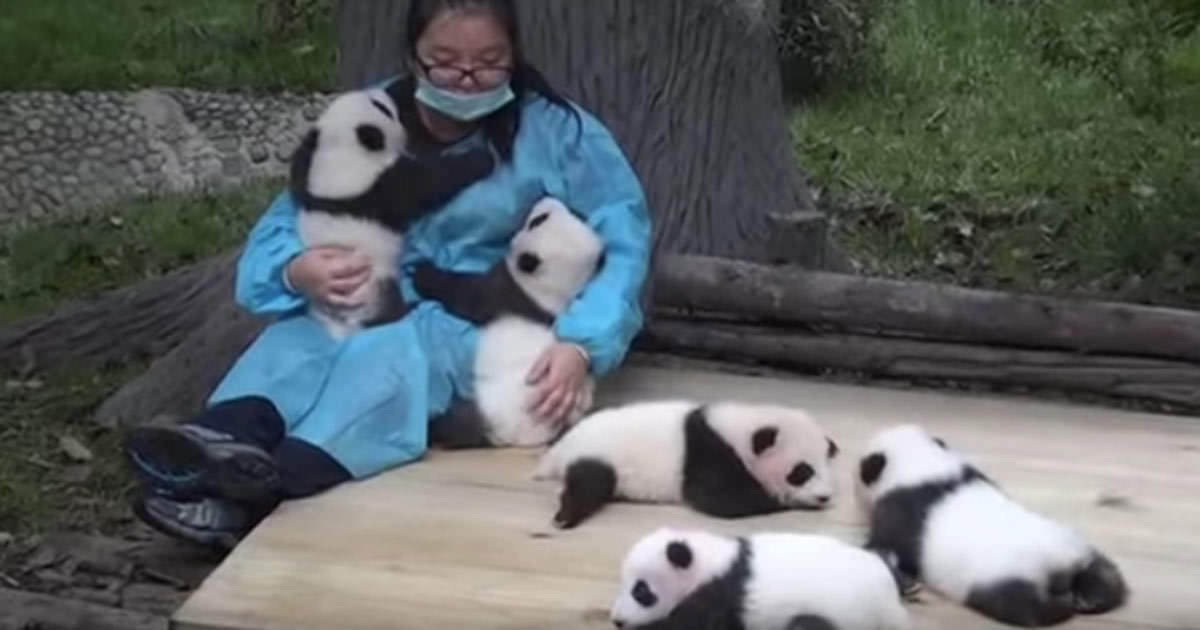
point(381, 107)
point(370, 136)
point(538, 220)
point(528, 263)
point(643, 595)
point(800, 474)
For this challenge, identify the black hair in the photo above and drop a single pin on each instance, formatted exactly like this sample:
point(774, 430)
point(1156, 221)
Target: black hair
point(501, 125)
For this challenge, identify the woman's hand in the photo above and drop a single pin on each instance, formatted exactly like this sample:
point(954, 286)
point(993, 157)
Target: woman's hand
point(329, 274)
point(557, 378)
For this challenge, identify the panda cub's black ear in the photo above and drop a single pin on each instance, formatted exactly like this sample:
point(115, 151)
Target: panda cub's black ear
point(871, 467)
point(763, 439)
point(538, 220)
point(833, 449)
point(940, 442)
point(370, 137)
point(679, 554)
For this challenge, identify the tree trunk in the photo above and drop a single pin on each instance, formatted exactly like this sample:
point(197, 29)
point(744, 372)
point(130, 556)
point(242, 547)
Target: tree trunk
point(691, 90)
point(145, 319)
point(1172, 382)
point(946, 312)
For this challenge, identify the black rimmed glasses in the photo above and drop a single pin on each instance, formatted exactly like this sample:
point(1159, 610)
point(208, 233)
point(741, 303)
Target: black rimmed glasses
point(452, 76)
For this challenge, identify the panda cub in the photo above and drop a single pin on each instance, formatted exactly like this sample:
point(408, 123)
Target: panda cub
point(695, 580)
point(944, 523)
point(357, 185)
point(728, 459)
point(548, 262)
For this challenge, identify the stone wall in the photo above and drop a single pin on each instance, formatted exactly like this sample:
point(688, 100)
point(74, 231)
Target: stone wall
point(61, 153)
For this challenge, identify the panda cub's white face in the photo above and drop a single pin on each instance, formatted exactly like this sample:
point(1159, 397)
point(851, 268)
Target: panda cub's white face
point(553, 255)
point(359, 135)
point(903, 456)
point(663, 568)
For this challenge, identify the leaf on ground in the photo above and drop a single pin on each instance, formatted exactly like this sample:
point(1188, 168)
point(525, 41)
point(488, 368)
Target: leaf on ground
point(74, 449)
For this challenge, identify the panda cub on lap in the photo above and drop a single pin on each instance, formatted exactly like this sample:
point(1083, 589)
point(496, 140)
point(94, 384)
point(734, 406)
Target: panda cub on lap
point(548, 262)
point(696, 580)
point(728, 459)
point(357, 185)
point(944, 523)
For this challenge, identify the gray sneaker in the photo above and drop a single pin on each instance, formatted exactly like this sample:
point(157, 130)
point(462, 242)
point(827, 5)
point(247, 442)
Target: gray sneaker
point(210, 522)
point(187, 461)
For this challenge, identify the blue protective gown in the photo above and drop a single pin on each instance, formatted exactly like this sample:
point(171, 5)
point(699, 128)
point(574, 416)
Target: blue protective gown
point(367, 400)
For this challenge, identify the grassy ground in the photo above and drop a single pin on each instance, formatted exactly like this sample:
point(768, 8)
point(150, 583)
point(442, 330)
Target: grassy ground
point(120, 44)
point(997, 145)
point(42, 484)
point(49, 264)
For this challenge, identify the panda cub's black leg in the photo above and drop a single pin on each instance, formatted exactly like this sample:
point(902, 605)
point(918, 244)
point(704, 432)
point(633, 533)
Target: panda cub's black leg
point(461, 426)
point(1018, 603)
point(589, 484)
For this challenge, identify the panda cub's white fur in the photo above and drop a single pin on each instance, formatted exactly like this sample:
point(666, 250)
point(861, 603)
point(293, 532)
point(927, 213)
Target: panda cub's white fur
point(724, 458)
point(948, 525)
point(568, 251)
point(690, 578)
point(342, 168)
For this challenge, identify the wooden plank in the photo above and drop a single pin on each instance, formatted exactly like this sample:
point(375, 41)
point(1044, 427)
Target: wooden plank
point(464, 540)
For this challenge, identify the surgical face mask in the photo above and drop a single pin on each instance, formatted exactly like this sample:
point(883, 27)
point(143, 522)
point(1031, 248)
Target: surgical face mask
point(463, 106)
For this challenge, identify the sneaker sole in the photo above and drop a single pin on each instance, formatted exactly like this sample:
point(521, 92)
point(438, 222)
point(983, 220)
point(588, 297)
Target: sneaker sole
point(189, 467)
point(223, 541)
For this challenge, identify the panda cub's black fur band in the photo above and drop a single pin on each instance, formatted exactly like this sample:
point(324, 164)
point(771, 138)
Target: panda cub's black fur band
point(477, 297)
point(898, 518)
point(715, 480)
point(410, 188)
point(461, 426)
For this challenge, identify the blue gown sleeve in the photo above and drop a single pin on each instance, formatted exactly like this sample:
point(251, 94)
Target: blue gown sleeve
point(271, 244)
point(602, 187)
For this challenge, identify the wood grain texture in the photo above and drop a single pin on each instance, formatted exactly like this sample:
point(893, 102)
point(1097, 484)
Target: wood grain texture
point(939, 311)
point(463, 539)
point(1176, 383)
point(143, 319)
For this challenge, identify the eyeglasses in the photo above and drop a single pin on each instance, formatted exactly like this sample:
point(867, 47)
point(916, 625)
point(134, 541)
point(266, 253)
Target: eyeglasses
point(448, 76)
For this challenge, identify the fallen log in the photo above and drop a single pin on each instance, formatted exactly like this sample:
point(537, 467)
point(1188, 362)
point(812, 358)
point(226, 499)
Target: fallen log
point(1173, 382)
point(20, 610)
point(877, 305)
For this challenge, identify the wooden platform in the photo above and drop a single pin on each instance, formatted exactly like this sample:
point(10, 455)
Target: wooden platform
point(463, 540)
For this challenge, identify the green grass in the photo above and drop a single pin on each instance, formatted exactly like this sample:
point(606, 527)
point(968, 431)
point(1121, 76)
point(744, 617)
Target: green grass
point(41, 487)
point(1009, 147)
point(124, 44)
point(49, 264)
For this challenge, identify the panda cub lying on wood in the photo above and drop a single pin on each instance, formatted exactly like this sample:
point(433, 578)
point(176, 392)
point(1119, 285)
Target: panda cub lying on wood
point(697, 580)
point(547, 264)
point(727, 459)
point(357, 185)
point(944, 523)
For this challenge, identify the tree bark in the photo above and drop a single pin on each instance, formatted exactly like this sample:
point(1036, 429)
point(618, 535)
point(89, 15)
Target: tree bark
point(20, 610)
point(876, 305)
point(145, 319)
point(1176, 383)
point(691, 90)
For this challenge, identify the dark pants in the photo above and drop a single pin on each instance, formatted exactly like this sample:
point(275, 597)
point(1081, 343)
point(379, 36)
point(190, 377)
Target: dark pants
point(304, 469)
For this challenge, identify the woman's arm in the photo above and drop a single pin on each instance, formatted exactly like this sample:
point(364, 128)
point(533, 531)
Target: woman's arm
point(273, 242)
point(602, 187)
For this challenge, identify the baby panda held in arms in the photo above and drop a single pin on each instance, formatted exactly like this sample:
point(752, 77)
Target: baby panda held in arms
point(357, 185)
point(548, 263)
point(697, 580)
point(727, 459)
point(942, 521)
